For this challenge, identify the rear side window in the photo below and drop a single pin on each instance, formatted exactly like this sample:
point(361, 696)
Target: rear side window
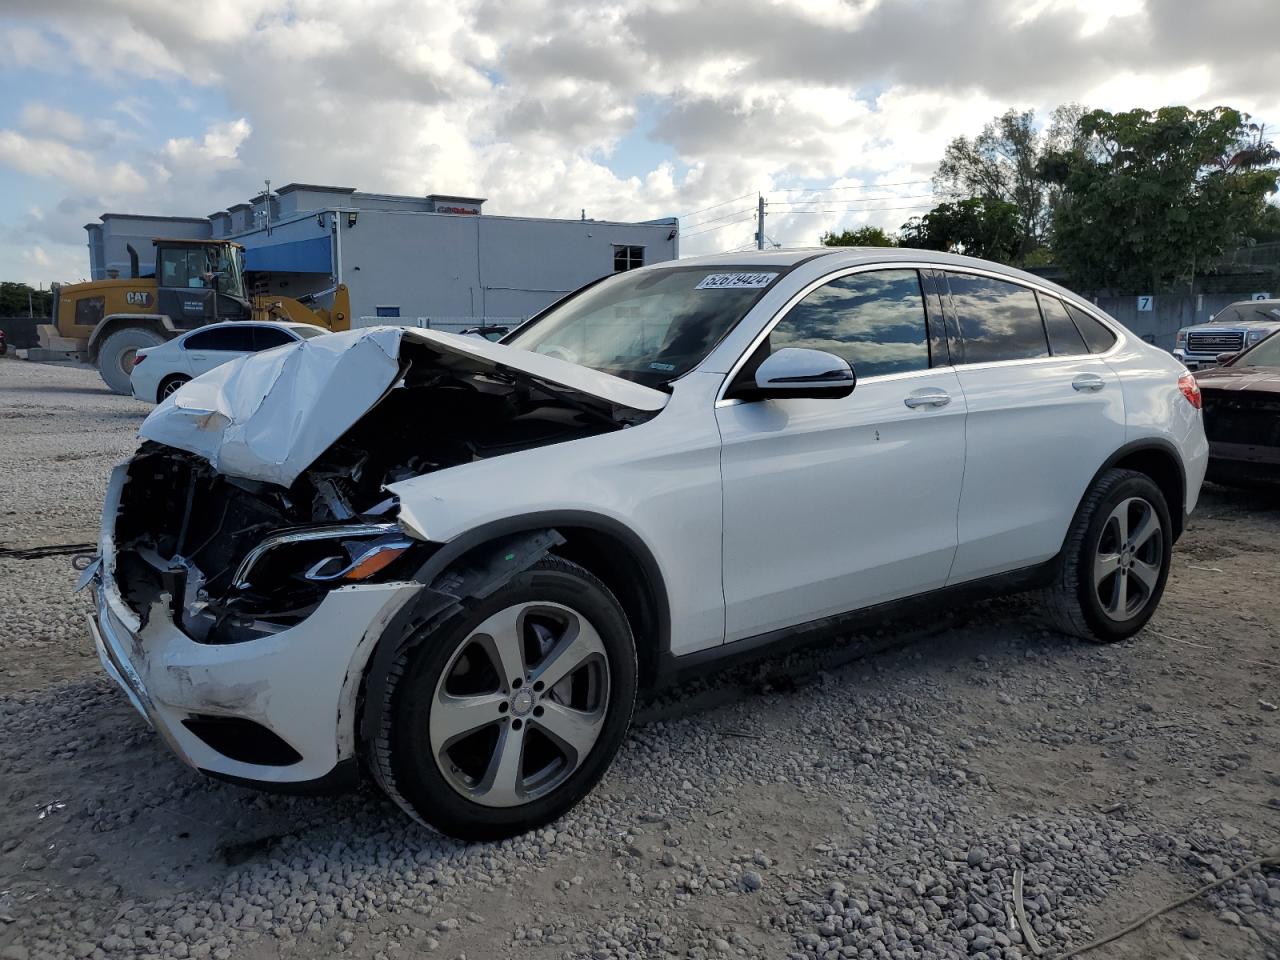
point(1097, 336)
point(222, 338)
point(998, 320)
point(1064, 338)
point(874, 320)
point(264, 338)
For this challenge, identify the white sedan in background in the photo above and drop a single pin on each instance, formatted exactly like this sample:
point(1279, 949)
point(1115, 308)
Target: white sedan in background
point(159, 371)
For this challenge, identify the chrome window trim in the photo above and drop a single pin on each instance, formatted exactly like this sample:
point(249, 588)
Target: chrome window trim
point(918, 265)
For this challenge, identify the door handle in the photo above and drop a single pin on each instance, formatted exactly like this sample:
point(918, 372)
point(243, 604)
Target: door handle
point(928, 398)
point(1088, 381)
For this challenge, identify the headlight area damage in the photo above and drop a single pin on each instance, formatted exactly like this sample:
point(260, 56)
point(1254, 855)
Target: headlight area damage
point(260, 486)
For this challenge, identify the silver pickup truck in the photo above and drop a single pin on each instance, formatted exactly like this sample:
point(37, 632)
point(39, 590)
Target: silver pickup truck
point(1232, 329)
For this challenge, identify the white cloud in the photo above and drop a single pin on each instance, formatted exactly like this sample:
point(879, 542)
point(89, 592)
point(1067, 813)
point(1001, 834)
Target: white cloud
point(52, 159)
point(530, 102)
point(217, 150)
point(41, 118)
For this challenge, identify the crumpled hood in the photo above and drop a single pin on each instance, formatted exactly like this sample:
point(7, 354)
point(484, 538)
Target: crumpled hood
point(268, 416)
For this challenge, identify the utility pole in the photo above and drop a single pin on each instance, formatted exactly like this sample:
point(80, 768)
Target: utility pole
point(760, 221)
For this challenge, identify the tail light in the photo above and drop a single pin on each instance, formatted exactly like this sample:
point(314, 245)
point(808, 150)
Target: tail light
point(1190, 389)
point(138, 358)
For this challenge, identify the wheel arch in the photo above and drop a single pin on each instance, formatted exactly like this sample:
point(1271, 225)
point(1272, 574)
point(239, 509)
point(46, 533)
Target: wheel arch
point(1158, 459)
point(603, 545)
point(118, 321)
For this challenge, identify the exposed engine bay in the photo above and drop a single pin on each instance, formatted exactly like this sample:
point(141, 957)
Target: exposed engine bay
point(234, 558)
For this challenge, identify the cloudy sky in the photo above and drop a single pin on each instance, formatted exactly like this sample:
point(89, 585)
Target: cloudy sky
point(548, 107)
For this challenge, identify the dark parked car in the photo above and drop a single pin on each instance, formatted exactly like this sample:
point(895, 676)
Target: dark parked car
point(1242, 413)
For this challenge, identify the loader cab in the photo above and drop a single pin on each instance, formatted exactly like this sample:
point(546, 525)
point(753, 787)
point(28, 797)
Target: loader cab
point(200, 281)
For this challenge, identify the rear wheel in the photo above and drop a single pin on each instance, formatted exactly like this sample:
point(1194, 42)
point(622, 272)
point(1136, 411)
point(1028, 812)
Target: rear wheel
point(170, 385)
point(1115, 562)
point(117, 353)
point(504, 717)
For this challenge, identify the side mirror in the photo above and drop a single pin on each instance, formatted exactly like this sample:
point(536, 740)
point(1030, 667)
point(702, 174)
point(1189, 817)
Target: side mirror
point(800, 372)
point(1226, 357)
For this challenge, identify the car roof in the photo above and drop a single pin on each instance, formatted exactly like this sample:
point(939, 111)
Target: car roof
point(841, 256)
point(279, 324)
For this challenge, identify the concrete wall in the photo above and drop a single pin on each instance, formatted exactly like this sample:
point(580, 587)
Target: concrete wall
point(468, 266)
point(1168, 314)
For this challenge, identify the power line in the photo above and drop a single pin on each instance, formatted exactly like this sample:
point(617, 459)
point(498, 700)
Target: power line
point(723, 216)
point(714, 205)
point(709, 229)
point(861, 186)
point(812, 213)
point(888, 196)
point(686, 236)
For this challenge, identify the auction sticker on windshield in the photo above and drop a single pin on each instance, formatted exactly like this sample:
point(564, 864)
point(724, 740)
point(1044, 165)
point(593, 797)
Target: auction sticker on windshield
point(736, 281)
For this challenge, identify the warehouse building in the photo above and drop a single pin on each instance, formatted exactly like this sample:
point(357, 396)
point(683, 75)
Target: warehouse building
point(436, 258)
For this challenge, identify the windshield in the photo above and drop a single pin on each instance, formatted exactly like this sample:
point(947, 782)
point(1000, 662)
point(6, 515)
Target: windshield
point(1264, 311)
point(307, 332)
point(650, 327)
point(1265, 354)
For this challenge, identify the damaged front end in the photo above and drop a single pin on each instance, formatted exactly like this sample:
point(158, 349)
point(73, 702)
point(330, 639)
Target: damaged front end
point(262, 489)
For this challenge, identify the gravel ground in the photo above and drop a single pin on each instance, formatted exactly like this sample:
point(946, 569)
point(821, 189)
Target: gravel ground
point(876, 797)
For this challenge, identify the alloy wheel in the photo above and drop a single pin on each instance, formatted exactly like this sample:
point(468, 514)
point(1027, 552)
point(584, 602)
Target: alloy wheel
point(173, 386)
point(520, 704)
point(1127, 564)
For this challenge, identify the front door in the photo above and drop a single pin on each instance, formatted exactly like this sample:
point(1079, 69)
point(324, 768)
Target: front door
point(833, 505)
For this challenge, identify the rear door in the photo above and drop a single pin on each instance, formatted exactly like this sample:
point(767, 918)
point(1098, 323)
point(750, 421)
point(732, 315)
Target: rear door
point(835, 504)
point(1044, 413)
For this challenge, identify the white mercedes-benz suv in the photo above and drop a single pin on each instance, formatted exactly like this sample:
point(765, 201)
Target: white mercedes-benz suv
point(453, 563)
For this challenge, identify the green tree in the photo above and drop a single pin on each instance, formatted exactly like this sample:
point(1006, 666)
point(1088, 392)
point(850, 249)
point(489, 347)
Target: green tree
point(1149, 197)
point(979, 227)
point(14, 300)
point(1006, 162)
point(862, 237)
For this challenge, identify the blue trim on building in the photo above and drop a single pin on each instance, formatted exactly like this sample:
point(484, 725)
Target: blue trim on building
point(298, 256)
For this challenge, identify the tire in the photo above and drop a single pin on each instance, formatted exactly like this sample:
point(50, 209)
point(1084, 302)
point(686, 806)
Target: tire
point(115, 356)
point(482, 756)
point(170, 384)
point(1115, 560)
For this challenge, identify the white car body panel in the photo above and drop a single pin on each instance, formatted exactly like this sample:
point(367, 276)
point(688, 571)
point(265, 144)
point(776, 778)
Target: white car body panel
point(1028, 413)
point(836, 504)
point(661, 480)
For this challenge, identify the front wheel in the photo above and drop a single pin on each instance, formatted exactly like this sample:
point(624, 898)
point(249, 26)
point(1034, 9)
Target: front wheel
point(502, 718)
point(1115, 562)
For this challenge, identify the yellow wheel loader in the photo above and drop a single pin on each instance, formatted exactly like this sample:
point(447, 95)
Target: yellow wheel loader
point(196, 282)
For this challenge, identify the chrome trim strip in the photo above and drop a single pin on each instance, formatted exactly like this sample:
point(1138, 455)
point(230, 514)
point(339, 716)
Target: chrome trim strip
point(1120, 333)
point(241, 579)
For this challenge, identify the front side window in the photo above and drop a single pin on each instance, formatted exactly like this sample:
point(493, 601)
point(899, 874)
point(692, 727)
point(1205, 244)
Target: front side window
point(998, 320)
point(874, 320)
point(627, 258)
point(650, 327)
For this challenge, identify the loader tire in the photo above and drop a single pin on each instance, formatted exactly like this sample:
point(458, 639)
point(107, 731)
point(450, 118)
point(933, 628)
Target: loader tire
point(115, 357)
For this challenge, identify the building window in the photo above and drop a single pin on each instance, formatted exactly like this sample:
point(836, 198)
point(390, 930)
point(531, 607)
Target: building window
point(387, 311)
point(627, 258)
